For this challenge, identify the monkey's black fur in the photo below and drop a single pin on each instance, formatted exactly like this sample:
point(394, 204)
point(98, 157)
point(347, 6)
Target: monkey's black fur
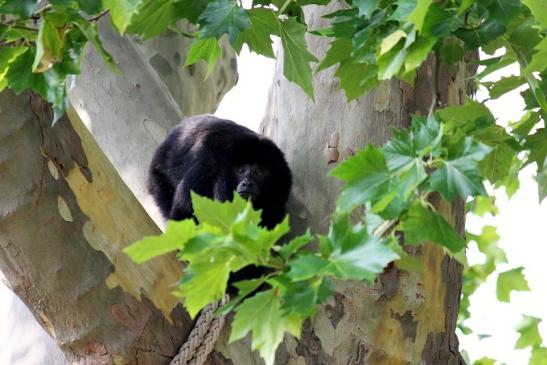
point(202, 154)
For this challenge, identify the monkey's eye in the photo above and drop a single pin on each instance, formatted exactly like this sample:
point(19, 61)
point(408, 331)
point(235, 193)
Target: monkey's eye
point(241, 170)
point(259, 171)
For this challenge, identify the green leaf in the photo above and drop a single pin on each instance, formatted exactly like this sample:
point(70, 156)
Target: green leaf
point(204, 281)
point(19, 74)
point(366, 175)
point(471, 113)
point(504, 85)
point(481, 205)
point(403, 10)
point(222, 214)
point(308, 266)
point(262, 315)
point(189, 9)
point(539, 356)
point(459, 174)
point(541, 179)
point(474, 38)
point(340, 49)
point(90, 6)
point(529, 333)
point(417, 17)
point(539, 59)
point(509, 281)
point(152, 19)
point(302, 297)
point(49, 46)
point(295, 244)
point(354, 253)
point(122, 12)
point(452, 52)
point(223, 17)
point(391, 40)
point(357, 78)
point(538, 9)
point(364, 259)
point(439, 22)
point(366, 7)
point(408, 147)
point(175, 237)
point(22, 8)
point(264, 23)
point(421, 224)
point(418, 52)
point(206, 49)
point(91, 33)
point(296, 58)
point(485, 361)
point(535, 143)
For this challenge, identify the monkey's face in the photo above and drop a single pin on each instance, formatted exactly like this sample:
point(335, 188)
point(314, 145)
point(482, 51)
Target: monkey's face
point(250, 179)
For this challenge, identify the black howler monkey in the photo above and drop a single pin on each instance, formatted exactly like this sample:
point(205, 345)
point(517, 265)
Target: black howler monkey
point(215, 157)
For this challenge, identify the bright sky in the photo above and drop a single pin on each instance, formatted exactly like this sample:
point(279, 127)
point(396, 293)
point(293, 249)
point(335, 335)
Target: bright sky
point(521, 224)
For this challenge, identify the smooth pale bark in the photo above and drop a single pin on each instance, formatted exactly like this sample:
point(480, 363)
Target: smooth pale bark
point(130, 113)
point(403, 318)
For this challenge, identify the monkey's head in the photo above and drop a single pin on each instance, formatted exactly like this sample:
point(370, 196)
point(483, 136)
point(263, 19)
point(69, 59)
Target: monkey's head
point(250, 179)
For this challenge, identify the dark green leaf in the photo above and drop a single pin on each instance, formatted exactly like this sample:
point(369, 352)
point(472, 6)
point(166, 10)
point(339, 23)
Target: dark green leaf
point(474, 38)
point(296, 58)
point(504, 85)
point(366, 175)
point(366, 7)
point(264, 23)
point(308, 266)
point(452, 52)
point(189, 9)
point(262, 315)
point(152, 18)
point(223, 17)
point(439, 22)
point(22, 8)
point(357, 78)
point(541, 179)
point(421, 224)
point(459, 174)
point(339, 51)
point(92, 34)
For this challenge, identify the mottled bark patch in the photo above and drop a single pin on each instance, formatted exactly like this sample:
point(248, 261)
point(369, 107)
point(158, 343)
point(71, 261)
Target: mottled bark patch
point(408, 324)
point(335, 312)
point(310, 347)
point(390, 280)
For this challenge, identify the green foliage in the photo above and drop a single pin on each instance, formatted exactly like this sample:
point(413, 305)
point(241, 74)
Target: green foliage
point(509, 281)
point(447, 155)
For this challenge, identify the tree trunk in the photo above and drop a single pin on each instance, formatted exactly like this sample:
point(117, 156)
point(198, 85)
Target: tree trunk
point(128, 112)
point(403, 318)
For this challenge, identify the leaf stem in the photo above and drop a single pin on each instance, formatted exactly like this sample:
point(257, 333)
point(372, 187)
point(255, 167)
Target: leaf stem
point(98, 16)
point(284, 7)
